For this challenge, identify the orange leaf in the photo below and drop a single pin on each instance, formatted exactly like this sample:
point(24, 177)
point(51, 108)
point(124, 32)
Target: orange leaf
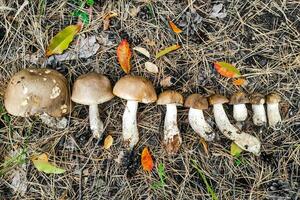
point(239, 82)
point(124, 55)
point(227, 70)
point(205, 146)
point(167, 50)
point(174, 27)
point(146, 160)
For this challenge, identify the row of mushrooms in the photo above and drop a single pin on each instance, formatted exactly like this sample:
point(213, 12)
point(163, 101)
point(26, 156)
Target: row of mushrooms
point(45, 92)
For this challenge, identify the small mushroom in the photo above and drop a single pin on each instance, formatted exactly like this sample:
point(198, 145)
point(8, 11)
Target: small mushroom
point(41, 92)
point(259, 114)
point(197, 104)
point(172, 138)
point(134, 89)
point(92, 89)
point(243, 140)
point(238, 100)
point(274, 117)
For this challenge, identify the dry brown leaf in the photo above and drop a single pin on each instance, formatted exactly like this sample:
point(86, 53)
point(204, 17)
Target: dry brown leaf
point(108, 141)
point(106, 19)
point(143, 51)
point(204, 145)
point(166, 82)
point(151, 67)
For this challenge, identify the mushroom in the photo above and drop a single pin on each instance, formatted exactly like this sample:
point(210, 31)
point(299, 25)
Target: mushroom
point(197, 104)
point(238, 100)
point(134, 89)
point(172, 138)
point(259, 114)
point(274, 117)
point(243, 140)
point(92, 89)
point(41, 92)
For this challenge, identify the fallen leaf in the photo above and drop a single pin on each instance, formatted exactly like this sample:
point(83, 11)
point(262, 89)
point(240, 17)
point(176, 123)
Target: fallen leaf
point(108, 141)
point(83, 16)
point(216, 11)
point(106, 19)
point(166, 82)
point(41, 163)
point(167, 50)
point(239, 82)
point(143, 51)
point(146, 160)
point(235, 150)
point(204, 145)
point(90, 2)
point(151, 67)
point(174, 28)
point(61, 40)
point(227, 70)
point(124, 55)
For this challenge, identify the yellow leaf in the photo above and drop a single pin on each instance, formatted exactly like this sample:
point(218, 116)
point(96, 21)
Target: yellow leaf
point(41, 164)
point(151, 67)
point(124, 55)
point(239, 82)
point(174, 27)
point(235, 150)
point(167, 50)
point(61, 40)
point(143, 51)
point(146, 160)
point(108, 141)
point(227, 70)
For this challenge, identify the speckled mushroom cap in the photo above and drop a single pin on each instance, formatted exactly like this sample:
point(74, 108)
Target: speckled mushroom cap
point(92, 88)
point(273, 98)
point(239, 98)
point(217, 99)
point(196, 101)
point(36, 91)
point(257, 98)
point(170, 97)
point(135, 88)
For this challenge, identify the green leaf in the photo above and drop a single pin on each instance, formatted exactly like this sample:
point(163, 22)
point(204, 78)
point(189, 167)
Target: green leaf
point(235, 150)
point(162, 177)
point(61, 40)
point(167, 50)
point(41, 164)
point(90, 2)
point(83, 15)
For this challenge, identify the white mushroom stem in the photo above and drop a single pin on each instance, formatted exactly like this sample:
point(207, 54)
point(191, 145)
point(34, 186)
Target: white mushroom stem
point(240, 112)
point(273, 114)
point(259, 114)
point(53, 122)
point(200, 126)
point(130, 130)
point(243, 140)
point(96, 123)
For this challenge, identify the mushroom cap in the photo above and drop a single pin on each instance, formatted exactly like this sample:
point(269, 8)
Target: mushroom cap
point(135, 88)
point(217, 99)
point(273, 98)
point(239, 98)
point(257, 98)
point(92, 88)
point(170, 97)
point(196, 101)
point(37, 91)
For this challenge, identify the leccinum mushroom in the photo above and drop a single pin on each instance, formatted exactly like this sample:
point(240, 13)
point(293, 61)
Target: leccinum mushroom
point(243, 140)
point(172, 138)
point(197, 103)
point(273, 109)
point(38, 92)
point(238, 100)
point(92, 89)
point(259, 114)
point(134, 89)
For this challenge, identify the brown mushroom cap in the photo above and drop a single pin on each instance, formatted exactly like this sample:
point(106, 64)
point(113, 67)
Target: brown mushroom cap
point(196, 101)
point(170, 97)
point(273, 98)
point(257, 98)
point(239, 98)
point(217, 99)
point(36, 91)
point(135, 88)
point(92, 88)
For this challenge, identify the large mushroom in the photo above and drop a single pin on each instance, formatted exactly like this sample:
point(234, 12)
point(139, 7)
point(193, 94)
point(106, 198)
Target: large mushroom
point(92, 89)
point(274, 117)
point(238, 100)
point(257, 101)
point(243, 140)
point(197, 104)
point(172, 138)
point(134, 89)
point(41, 92)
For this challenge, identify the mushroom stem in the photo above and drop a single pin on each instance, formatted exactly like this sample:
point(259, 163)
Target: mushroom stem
point(240, 112)
point(96, 123)
point(259, 114)
point(172, 138)
point(273, 114)
point(200, 126)
point(130, 130)
point(243, 140)
point(53, 122)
